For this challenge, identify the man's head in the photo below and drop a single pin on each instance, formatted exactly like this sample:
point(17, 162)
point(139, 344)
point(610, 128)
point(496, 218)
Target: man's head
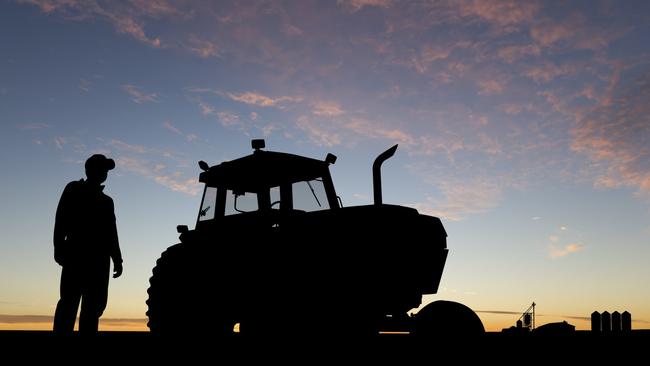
point(97, 167)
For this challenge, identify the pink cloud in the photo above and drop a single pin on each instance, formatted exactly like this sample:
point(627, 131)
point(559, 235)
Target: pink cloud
point(125, 19)
point(614, 135)
point(502, 13)
point(228, 119)
point(316, 133)
point(177, 183)
point(461, 199)
point(556, 251)
point(511, 54)
point(548, 71)
point(260, 100)
point(203, 48)
point(138, 96)
point(356, 5)
point(490, 87)
point(327, 109)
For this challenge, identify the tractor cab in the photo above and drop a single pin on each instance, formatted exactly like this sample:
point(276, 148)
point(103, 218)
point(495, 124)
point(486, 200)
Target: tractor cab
point(266, 182)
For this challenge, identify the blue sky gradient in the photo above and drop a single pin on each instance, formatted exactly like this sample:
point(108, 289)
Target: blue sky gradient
point(523, 125)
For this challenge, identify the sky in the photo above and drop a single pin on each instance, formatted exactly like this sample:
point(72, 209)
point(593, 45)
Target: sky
point(523, 125)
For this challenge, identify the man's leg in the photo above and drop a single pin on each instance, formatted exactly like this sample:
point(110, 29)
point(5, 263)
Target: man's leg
point(66, 308)
point(95, 297)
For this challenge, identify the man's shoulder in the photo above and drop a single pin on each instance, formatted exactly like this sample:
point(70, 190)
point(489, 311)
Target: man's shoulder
point(74, 185)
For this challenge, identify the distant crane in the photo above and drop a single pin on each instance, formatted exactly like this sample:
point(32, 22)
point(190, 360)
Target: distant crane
point(527, 318)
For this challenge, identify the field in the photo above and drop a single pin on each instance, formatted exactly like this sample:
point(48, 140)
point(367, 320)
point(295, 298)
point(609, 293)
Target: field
point(490, 348)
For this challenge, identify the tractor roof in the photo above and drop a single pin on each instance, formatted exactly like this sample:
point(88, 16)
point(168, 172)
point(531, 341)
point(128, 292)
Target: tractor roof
point(262, 170)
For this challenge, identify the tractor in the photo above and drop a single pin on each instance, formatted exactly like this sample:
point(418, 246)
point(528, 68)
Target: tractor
point(275, 252)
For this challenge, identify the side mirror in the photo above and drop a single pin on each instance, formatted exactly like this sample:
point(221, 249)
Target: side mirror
point(182, 229)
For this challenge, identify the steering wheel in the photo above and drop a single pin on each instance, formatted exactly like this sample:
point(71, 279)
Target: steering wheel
point(275, 203)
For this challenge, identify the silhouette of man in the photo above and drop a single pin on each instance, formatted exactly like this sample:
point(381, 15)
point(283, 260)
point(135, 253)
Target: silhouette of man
point(85, 240)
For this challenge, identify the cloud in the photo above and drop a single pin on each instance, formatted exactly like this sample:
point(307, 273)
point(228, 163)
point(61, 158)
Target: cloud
point(327, 109)
point(125, 19)
point(317, 134)
point(143, 167)
point(426, 56)
point(203, 48)
point(490, 87)
point(206, 109)
point(547, 72)
point(556, 251)
point(123, 146)
point(460, 200)
point(175, 182)
point(133, 28)
point(550, 32)
point(60, 142)
point(138, 96)
point(48, 319)
point(356, 5)
point(169, 126)
point(33, 126)
point(84, 85)
point(511, 54)
point(228, 119)
point(501, 13)
point(614, 135)
point(260, 100)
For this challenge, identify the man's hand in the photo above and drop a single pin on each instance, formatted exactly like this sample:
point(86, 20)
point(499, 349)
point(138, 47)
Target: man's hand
point(117, 269)
point(58, 256)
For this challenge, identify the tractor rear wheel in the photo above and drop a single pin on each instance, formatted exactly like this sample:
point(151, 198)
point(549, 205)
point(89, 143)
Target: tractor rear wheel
point(441, 319)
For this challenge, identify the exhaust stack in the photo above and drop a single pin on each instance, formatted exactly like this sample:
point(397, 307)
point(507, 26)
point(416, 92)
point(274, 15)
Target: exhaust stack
point(376, 172)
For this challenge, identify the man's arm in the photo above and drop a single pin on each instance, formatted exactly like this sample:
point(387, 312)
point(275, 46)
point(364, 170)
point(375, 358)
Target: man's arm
point(115, 252)
point(61, 225)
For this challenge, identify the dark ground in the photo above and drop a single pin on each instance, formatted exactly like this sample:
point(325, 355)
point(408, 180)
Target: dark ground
point(129, 347)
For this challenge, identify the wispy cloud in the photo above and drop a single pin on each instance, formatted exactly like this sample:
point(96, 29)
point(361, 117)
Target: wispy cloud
point(614, 135)
point(123, 146)
point(490, 87)
point(60, 141)
point(355, 5)
point(460, 200)
point(510, 54)
point(559, 251)
point(256, 99)
point(139, 96)
point(177, 183)
point(206, 109)
point(317, 134)
point(84, 85)
point(33, 126)
point(327, 109)
point(203, 48)
point(228, 119)
point(170, 127)
point(548, 71)
point(126, 19)
point(500, 13)
point(23, 319)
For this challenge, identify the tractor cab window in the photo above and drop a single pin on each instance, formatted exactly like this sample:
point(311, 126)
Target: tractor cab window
point(240, 203)
point(310, 196)
point(209, 204)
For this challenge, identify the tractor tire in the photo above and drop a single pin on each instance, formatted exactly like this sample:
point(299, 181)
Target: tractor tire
point(442, 319)
point(182, 301)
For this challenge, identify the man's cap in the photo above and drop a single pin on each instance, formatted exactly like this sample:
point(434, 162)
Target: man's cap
point(99, 161)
